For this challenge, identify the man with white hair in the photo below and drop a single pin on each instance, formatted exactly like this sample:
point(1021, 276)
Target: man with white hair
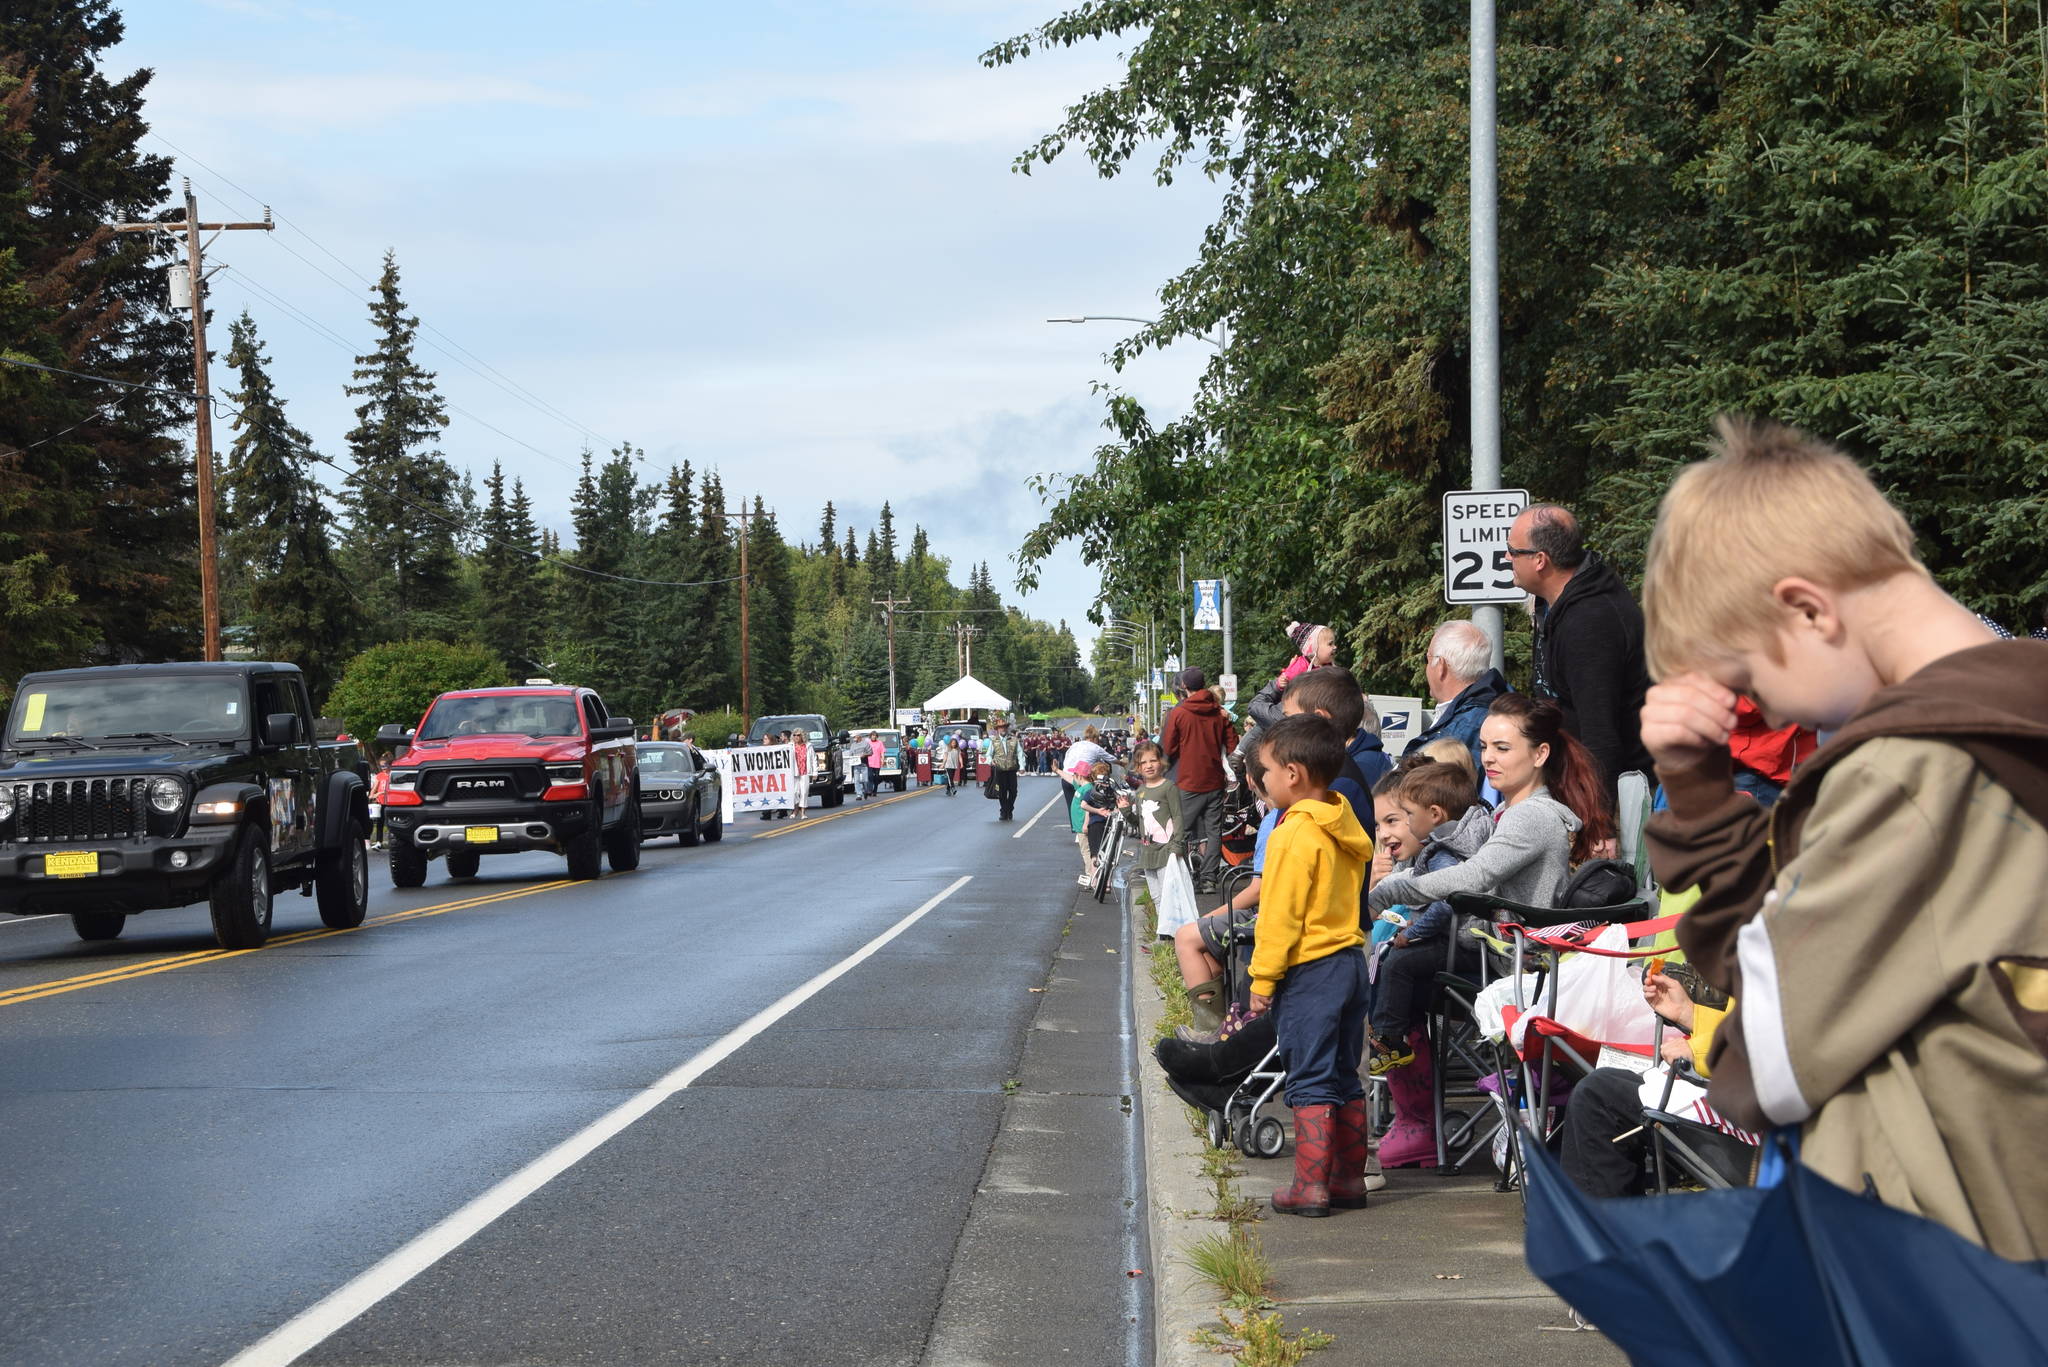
point(1463, 681)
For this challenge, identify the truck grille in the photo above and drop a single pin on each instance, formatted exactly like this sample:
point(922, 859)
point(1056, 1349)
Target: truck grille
point(80, 809)
point(488, 782)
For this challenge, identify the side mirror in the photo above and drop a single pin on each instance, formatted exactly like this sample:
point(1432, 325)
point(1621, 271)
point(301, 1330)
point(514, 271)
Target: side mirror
point(281, 728)
point(620, 728)
point(844, 738)
point(393, 734)
point(623, 723)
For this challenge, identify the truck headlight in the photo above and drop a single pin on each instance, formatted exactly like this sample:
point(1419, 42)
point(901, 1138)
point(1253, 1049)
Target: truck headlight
point(402, 780)
point(565, 773)
point(167, 795)
point(6, 802)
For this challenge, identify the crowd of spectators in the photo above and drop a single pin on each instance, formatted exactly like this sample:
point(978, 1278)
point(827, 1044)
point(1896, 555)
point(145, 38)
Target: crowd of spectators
point(1851, 776)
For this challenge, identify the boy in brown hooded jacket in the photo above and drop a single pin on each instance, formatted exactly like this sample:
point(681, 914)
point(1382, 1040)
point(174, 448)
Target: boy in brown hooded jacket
point(1885, 926)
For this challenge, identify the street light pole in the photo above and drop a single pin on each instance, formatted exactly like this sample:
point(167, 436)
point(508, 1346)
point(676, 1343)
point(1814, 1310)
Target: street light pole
point(1485, 284)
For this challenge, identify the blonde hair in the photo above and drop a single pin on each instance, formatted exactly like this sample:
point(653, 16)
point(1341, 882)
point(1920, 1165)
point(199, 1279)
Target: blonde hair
point(1770, 503)
point(1446, 750)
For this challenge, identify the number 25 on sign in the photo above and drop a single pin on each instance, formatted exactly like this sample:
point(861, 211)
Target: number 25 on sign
point(1477, 566)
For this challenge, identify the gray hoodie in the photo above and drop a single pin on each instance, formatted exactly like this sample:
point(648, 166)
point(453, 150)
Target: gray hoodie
point(1449, 845)
point(1526, 859)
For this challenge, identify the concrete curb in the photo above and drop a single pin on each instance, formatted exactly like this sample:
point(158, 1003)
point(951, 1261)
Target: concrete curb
point(1176, 1199)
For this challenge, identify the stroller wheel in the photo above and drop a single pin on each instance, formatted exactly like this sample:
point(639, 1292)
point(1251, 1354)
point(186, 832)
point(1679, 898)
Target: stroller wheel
point(1268, 1138)
point(1219, 1130)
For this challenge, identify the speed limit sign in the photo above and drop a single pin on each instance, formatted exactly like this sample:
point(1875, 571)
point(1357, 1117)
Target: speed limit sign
point(1477, 566)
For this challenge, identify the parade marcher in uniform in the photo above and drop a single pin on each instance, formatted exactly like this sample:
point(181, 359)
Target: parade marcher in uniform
point(1002, 766)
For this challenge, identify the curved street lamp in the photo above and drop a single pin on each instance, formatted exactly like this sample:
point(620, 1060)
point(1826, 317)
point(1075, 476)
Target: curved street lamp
point(1216, 341)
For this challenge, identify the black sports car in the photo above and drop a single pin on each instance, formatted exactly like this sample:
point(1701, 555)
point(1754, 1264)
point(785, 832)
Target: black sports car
point(679, 793)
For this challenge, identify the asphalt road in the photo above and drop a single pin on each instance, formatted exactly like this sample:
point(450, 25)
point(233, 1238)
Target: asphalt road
point(203, 1148)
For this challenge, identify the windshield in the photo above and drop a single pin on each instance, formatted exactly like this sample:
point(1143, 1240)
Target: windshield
point(184, 705)
point(515, 715)
point(814, 727)
point(665, 761)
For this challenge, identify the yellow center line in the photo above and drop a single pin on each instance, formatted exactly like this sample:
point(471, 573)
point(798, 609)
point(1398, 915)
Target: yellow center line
point(867, 806)
point(37, 991)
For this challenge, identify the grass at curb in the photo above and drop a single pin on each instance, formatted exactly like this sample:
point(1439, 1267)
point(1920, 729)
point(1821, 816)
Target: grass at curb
point(1233, 1261)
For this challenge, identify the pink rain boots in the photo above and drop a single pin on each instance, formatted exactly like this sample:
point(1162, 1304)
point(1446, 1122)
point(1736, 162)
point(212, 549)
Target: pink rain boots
point(1410, 1142)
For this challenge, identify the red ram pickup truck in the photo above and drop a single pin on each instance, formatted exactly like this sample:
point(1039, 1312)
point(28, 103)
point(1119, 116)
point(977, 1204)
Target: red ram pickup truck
point(507, 770)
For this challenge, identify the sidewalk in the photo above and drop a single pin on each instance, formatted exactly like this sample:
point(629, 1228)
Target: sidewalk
point(1431, 1273)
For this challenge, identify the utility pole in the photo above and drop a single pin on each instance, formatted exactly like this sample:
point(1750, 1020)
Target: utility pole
point(202, 443)
point(888, 607)
point(963, 647)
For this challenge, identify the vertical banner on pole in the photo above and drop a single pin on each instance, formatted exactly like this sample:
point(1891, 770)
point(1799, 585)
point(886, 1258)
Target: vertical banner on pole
point(1208, 605)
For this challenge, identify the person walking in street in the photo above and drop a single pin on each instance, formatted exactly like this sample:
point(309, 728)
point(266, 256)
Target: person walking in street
point(1462, 678)
point(878, 753)
point(1589, 638)
point(800, 782)
point(1198, 735)
point(1003, 759)
point(949, 761)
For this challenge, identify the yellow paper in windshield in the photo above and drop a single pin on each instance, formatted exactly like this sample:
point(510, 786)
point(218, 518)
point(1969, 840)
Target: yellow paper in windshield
point(32, 712)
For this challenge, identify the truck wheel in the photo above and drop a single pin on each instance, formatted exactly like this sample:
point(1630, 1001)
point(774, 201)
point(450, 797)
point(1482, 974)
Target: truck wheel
point(408, 863)
point(98, 925)
point(622, 842)
point(690, 835)
point(341, 884)
point(586, 851)
point(715, 832)
point(833, 797)
point(240, 900)
point(464, 863)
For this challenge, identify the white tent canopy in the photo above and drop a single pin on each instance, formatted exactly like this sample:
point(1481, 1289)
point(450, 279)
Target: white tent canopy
point(968, 692)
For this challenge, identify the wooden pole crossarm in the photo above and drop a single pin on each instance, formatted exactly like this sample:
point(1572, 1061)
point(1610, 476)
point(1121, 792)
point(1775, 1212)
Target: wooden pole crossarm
point(178, 226)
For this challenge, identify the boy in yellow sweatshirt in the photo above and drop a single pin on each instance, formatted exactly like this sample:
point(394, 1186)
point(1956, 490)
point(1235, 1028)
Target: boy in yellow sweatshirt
point(1309, 966)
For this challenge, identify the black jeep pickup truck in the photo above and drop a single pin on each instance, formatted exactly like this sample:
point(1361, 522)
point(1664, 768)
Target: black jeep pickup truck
point(134, 787)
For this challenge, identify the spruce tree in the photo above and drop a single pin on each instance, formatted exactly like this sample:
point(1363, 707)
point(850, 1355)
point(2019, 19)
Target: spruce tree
point(669, 652)
point(92, 466)
point(715, 682)
point(508, 577)
point(405, 514)
point(599, 601)
point(772, 613)
point(291, 596)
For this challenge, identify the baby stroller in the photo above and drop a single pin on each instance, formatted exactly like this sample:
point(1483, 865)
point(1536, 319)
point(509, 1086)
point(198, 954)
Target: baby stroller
point(1231, 1082)
point(1239, 826)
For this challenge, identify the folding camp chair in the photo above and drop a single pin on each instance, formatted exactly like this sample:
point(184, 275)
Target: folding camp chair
point(1551, 1056)
point(1675, 1135)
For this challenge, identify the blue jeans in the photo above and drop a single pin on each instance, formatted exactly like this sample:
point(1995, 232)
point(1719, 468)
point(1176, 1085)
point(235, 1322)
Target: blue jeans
point(1319, 1021)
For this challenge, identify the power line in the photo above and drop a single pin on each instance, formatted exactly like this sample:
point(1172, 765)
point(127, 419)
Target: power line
point(348, 474)
point(494, 375)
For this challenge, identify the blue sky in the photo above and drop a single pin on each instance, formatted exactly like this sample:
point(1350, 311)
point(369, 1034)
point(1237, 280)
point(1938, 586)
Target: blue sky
point(781, 239)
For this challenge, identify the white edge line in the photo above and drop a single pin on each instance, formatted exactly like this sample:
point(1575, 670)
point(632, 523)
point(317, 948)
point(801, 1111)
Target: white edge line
point(24, 920)
point(327, 1316)
point(1035, 815)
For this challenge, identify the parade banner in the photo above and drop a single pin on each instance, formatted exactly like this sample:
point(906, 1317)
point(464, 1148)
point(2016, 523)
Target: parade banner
point(759, 778)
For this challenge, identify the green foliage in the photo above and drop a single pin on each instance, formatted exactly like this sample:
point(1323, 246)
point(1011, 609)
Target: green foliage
point(1826, 211)
point(393, 683)
point(405, 513)
point(85, 467)
point(711, 728)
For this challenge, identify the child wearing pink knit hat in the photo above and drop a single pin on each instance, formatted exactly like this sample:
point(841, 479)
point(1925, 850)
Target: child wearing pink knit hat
point(1315, 646)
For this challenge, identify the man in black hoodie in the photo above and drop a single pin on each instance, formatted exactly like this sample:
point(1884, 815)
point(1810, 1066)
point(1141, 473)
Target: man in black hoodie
point(1589, 638)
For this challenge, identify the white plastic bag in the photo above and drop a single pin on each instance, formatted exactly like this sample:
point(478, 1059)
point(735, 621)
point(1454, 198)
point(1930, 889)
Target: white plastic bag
point(1598, 997)
point(1173, 895)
